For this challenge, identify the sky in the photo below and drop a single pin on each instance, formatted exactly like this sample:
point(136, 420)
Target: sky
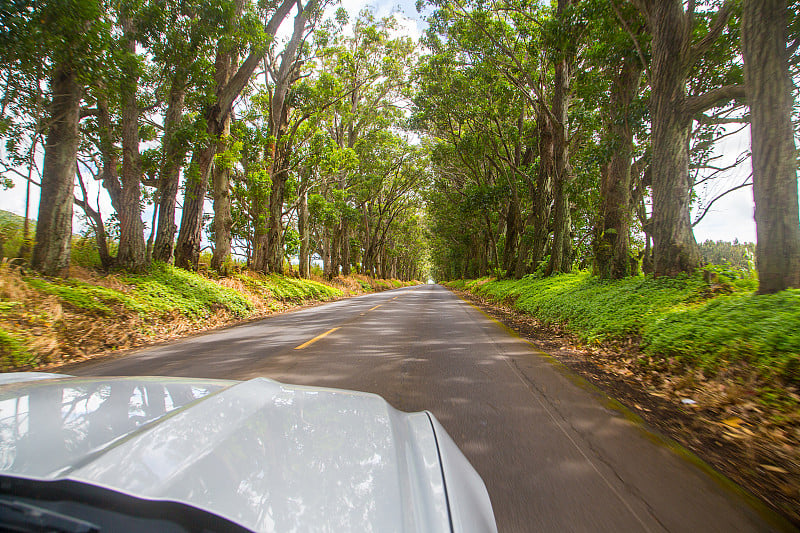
point(730, 218)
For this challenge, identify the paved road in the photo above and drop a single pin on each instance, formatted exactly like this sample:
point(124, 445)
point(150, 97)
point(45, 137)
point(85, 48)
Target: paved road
point(553, 455)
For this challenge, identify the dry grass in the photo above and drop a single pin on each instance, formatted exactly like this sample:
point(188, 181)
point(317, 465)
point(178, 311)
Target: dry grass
point(54, 333)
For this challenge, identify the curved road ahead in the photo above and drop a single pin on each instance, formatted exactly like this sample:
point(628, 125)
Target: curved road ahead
point(553, 455)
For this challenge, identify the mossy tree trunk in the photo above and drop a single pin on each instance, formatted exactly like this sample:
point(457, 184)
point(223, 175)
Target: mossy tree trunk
point(671, 112)
point(612, 237)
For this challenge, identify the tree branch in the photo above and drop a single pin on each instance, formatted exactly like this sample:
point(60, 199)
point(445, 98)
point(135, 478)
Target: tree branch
point(702, 46)
point(708, 207)
point(633, 37)
point(701, 102)
point(715, 121)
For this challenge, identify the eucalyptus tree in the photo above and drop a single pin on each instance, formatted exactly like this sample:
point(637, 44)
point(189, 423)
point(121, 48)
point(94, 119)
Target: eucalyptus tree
point(616, 60)
point(372, 67)
point(284, 72)
point(230, 77)
point(59, 44)
point(391, 174)
point(681, 37)
point(769, 93)
point(181, 41)
point(479, 122)
point(534, 47)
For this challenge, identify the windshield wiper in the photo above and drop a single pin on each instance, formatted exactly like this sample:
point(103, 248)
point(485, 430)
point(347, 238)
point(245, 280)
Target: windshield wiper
point(26, 518)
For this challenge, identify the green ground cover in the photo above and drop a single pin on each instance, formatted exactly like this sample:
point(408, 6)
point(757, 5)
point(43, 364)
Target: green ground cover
point(685, 320)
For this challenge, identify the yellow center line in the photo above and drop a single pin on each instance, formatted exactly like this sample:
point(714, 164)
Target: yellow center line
point(315, 339)
point(377, 306)
point(395, 298)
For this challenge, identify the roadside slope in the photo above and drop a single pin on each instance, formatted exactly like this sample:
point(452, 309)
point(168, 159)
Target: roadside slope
point(45, 321)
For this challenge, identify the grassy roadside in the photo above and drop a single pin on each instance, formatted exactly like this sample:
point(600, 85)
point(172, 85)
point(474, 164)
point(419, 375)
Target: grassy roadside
point(677, 323)
point(49, 321)
point(708, 363)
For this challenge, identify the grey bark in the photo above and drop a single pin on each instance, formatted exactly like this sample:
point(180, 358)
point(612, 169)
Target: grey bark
point(769, 93)
point(173, 152)
point(131, 254)
point(222, 207)
point(229, 86)
point(302, 228)
point(51, 253)
point(673, 54)
point(612, 235)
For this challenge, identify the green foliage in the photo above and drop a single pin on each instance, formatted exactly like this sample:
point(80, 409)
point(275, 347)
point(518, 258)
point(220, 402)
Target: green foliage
point(13, 351)
point(162, 290)
point(10, 233)
point(84, 296)
point(681, 320)
point(740, 256)
point(759, 329)
point(289, 289)
point(165, 288)
point(84, 253)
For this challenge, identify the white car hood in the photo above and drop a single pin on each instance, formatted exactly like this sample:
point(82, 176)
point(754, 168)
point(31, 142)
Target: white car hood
point(268, 456)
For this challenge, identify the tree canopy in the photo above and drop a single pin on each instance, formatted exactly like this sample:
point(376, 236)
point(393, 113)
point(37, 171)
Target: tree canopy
point(517, 137)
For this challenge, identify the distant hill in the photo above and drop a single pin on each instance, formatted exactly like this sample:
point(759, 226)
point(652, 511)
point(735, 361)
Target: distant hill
point(11, 232)
point(7, 218)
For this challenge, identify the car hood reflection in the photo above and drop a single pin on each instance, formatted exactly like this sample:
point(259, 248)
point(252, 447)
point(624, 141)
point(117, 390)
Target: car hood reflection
point(268, 456)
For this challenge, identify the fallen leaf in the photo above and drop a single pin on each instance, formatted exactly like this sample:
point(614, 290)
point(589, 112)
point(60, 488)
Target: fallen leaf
point(734, 422)
point(776, 469)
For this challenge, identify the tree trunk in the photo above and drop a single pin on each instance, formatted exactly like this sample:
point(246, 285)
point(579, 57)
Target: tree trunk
point(674, 247)
point(560, 257)
point(302, 228)
point(612, 234)
point(131, 254)
point(51, 254)
point(222, 207)
point(769, 93)
point(543, 195)
point(512, 233)
point(187, 248)
point(327, 267)
point(279, 174)
point(174, 152)
point(345, 243)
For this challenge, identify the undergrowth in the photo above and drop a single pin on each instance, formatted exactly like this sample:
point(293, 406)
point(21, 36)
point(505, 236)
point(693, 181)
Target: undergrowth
point(289, 289)
point(685, 320)
point(13, 351)
point(47, 319)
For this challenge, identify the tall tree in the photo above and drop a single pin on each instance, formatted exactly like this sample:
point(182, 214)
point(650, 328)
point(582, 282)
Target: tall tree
point(51, 253)
point(181, 44)
point(284, 77)
point(769, 94)
point(621, 65)
point(675, 51)
point(131, 253)
point(42, 41)
point(230, 83)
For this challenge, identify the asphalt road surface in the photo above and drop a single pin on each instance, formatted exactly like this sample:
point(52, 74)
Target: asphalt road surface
point(554, 455)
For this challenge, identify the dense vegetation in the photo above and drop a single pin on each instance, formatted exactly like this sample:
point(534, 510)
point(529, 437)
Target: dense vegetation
point(553, 136)
point(295, 143)
point(52, 320)
point(586, 133)
point(683, 321)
